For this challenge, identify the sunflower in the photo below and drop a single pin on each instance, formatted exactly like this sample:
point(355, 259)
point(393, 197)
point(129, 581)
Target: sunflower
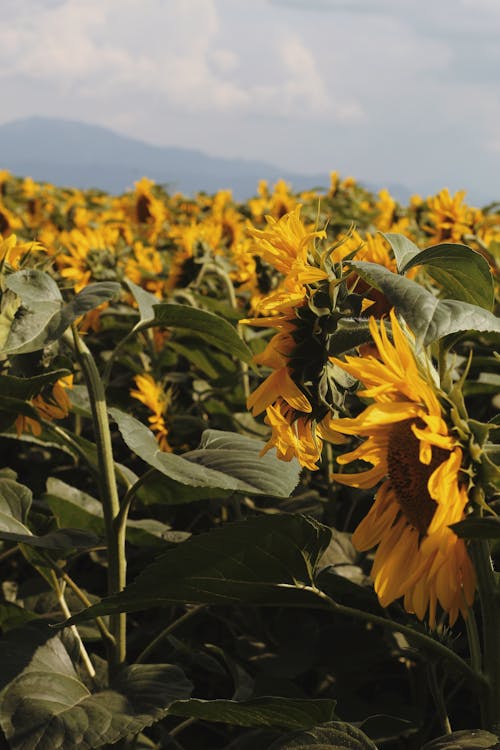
point(449, 216)
point(418, 460)
point(297, 428)
point(49, 406)
point(157, 400)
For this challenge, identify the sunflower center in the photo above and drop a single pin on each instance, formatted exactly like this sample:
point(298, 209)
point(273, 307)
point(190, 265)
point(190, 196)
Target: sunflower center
point(409, 477)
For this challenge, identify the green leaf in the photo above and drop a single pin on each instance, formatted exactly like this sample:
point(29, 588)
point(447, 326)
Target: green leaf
point(239, 457)
point(13, 616)
point(224, 460)
point(383, 727)
point(59, 539)
point(213, 364)
point(334, 735)
point(403, 248)
point(264, 711)
point(88, 299)
point(48, 708)
point(475, 527)
point(76, 445)
point(428, 317)
point(159, 489)
point(15, 502)
point(465, 739)
point(26, 388)
point(33, 286)
point(266, 560)
point(20, 647)
point(462, 273)
point(43, 319)
point(32, 327)
point(145, 300)
point(341, 577)
point(207, 326)
point(75, 508)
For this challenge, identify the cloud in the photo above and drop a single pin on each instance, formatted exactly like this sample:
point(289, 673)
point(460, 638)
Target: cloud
point(304, 87)
point(177, 51)
point(375, 87)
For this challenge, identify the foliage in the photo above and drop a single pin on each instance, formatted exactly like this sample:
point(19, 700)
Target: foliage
point(182, 383)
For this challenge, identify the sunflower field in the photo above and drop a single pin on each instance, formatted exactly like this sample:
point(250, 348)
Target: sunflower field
point(249, 478)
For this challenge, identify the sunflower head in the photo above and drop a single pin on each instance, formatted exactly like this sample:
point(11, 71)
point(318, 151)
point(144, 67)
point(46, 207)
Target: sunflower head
point(418, 462)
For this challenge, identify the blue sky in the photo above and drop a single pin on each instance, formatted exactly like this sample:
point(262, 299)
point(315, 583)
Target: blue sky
point(390, 91)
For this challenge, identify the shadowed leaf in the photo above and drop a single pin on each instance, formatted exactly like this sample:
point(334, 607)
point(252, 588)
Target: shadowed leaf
point(209, 327)
point(267, 560)
point(48, 708)
point(289, 713)
point(461, 272)
point(466, 739)
point(334, 735)
point(428, 317)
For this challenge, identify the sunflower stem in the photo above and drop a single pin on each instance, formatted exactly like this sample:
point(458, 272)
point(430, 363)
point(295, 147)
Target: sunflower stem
point(490, 610)
point(476, 658)
point(226, 279)
point(115, 538)
point(420, 639)
point(437, 694)
point(144, 655)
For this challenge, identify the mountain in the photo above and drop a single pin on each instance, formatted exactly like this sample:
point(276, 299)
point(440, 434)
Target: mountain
point(66, 152)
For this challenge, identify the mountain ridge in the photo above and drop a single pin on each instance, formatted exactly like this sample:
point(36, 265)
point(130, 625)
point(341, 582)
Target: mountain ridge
point(84, 155)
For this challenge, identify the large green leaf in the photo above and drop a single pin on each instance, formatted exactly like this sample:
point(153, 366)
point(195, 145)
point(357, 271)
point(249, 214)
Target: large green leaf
point(48, 708)
point(265, 711)
point(43, 317)
point(32, 328)
point(75, 508)
point(224, 460)
point(21, 647)
point(158, 489)
point(207, 326)
point(465, 739)
point(266, 560)
point(428, 317)
point(334, 735)
point(461, 272)
point(33, 286)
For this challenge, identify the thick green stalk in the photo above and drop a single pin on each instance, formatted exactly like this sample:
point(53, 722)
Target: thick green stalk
point(490, 610)
point(115, 537)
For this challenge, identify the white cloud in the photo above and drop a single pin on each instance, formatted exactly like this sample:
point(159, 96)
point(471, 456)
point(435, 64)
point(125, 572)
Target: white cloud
point(224, 60)
point(304, 87)
point(173, 50)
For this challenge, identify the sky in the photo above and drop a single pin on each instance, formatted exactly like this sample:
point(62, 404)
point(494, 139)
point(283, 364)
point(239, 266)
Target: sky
point(388, 91)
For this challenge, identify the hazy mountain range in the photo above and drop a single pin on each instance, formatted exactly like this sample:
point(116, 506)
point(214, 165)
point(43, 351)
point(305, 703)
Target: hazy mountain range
point(76, 154)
